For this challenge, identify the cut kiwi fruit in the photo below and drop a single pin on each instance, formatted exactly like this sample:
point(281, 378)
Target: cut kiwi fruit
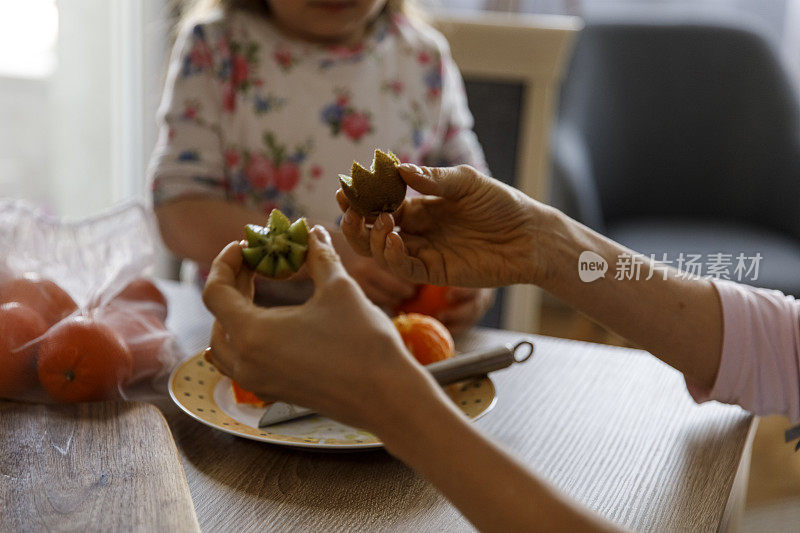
point(279, 249)
point(377, 190)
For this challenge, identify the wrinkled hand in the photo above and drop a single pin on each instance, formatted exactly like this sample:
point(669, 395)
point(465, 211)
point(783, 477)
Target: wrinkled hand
point(469, 230)
point(329, 354)
point(384, 288)
point(467, 306)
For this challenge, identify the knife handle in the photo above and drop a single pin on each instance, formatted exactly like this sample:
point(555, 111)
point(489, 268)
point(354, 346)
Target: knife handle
point(459, 368)
point(479, 362)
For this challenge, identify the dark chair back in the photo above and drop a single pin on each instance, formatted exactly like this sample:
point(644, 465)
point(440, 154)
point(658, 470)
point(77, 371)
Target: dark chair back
point(693, 119)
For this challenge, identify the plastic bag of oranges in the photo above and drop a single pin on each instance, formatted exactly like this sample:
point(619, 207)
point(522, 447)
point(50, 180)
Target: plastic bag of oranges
point(78, 319)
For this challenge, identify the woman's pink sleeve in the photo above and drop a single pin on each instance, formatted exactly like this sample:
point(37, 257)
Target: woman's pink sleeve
point(760, 352)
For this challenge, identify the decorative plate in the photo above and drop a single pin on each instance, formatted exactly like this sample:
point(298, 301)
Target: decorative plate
point(206, 395)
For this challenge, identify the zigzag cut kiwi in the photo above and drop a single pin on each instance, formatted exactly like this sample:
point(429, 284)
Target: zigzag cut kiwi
point(279, 249)
point(375, 191)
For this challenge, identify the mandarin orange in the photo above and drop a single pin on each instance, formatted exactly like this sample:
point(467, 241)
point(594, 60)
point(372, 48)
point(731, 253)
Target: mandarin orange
point(425, 337)
point(19, 325)
point(42, 295)
point(82, 360)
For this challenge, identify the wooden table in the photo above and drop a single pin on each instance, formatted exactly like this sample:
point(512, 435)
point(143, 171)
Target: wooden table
point(90, 467)
point(614, 428)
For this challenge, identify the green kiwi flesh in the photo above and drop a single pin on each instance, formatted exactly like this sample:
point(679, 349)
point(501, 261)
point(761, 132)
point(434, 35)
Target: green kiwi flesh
point(279, 249)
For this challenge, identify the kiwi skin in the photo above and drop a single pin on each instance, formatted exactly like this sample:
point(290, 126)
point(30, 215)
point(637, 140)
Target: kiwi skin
point(279, 249)
point(375, 191)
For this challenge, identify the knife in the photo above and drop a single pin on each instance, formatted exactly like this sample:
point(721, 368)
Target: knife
point(452, 370)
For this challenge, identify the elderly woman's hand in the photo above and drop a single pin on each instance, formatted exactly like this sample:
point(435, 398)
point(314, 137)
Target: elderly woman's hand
point(340, 355)
point(468, 230)
point(312, 355)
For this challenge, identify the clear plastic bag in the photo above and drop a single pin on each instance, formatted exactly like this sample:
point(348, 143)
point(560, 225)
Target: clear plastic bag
point(78, 321)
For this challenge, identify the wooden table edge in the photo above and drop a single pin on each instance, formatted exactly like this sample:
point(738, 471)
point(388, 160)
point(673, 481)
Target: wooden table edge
point(734, 508)
point(195, 526)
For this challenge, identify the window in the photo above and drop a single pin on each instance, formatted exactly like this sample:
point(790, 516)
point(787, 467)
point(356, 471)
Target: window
point(29, 29)
point(80, 82)
point(28, 33)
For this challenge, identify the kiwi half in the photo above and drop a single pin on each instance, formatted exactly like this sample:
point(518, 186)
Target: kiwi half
point(279, 249)
point(377, 190)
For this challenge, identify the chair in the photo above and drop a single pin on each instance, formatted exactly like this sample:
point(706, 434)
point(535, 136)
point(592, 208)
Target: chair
point(512, 67)
point(683, 135)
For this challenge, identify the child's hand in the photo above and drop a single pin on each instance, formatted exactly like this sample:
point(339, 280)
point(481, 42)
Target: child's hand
point(381, 286)
point(467, 306)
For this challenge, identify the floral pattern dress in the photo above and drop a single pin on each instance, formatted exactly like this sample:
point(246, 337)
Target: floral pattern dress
point(250, 116)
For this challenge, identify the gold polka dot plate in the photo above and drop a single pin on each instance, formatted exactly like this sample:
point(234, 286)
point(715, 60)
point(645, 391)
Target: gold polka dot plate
point(206, 395)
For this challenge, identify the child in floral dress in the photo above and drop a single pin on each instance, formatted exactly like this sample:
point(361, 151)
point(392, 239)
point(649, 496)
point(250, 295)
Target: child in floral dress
point(268, 100)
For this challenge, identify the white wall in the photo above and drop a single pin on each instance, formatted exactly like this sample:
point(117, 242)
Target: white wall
point(780, 17)
point(80, 110)
point(770, 12)
point(791, 40)
point(24, 142)
point(102, 100)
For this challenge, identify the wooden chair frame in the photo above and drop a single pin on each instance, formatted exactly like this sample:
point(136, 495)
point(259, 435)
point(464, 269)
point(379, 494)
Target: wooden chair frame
point(527, 49)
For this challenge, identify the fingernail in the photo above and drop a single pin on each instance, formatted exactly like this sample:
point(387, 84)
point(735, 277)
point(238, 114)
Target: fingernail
point(243, 242)
point(391, 242)
point(322, 234)
point(379, 222)
point(349, 217)
point(410, 167)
